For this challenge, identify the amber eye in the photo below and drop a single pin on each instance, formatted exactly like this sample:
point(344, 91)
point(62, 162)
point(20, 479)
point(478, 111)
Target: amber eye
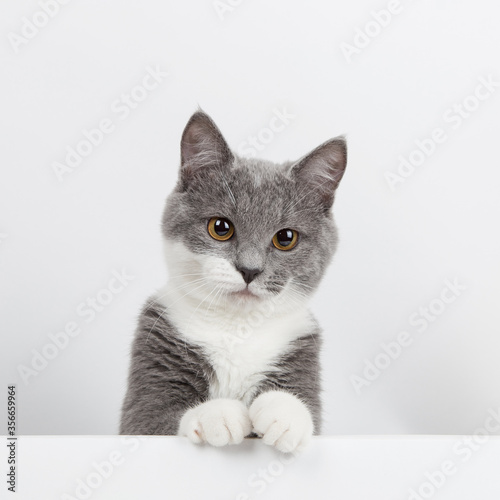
point(285, 239)
point(220, 229)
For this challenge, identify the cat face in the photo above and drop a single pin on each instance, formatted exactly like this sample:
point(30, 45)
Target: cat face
point(245, 230)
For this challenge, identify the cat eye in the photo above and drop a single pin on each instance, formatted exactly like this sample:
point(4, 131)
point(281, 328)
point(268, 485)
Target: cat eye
point(220, 229)
point(285, 239)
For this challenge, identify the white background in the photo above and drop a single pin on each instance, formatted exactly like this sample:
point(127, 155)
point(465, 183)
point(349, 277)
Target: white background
point(152, 467)
point(60, 241)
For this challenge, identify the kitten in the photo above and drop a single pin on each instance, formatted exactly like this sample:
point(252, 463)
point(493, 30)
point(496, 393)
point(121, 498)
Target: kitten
point(228, 347)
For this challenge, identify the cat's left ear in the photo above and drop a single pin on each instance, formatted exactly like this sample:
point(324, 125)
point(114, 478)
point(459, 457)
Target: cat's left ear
point(202, 147)
point(322, 169)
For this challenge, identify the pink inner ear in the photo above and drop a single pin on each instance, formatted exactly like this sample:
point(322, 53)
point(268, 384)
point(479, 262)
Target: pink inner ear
point(323, 168)
point(202, 144)
point(189, 146)
point(194, 140)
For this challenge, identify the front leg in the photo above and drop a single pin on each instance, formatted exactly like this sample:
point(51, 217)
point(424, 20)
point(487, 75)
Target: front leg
point(217, 422)
point(282, 420)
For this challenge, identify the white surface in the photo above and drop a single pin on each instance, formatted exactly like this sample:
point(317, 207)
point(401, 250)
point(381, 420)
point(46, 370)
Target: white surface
point(61, 242)
point(350, 468)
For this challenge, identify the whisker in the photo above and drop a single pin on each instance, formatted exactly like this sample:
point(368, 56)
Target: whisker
point(170, 305)
point(155, 300)
point(199, 305)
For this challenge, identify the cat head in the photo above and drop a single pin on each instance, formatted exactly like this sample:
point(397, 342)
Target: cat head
point(239, 231)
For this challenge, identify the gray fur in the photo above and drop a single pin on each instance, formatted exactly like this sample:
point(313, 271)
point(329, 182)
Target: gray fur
point(167, 374)
point(299, 373)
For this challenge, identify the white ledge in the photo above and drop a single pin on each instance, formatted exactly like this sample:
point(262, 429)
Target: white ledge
point(344, 468)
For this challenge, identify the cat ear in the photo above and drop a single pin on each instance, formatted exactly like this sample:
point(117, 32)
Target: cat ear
point(202, 147)
point(321, 170)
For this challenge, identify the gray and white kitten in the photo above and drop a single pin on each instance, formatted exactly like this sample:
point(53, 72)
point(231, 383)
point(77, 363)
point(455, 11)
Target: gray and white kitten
point(228, 348)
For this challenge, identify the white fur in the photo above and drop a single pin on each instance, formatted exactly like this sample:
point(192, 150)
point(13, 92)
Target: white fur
point(241, 338)
point(218, 422)
point(282, 420)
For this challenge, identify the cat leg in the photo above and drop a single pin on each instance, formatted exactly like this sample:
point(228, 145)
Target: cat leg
point(282, 420)
point(218, 422)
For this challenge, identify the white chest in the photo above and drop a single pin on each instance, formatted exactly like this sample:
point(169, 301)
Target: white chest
point(241, 347)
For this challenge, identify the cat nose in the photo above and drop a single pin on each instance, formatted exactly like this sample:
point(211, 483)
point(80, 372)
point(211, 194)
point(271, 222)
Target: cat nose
point(249, 274)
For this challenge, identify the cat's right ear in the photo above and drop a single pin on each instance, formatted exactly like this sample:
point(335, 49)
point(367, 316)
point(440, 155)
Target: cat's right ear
point(321, 170)
point(202, 147)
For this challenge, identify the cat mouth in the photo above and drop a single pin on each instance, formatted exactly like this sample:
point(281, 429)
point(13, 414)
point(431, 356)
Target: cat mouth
point(245, 293)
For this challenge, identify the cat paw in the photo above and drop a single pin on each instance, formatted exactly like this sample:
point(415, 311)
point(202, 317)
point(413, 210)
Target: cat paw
point(218, 422)
point(282, 420)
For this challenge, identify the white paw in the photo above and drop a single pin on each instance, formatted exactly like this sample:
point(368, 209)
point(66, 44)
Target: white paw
point(282, 420)
point(217, 422)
